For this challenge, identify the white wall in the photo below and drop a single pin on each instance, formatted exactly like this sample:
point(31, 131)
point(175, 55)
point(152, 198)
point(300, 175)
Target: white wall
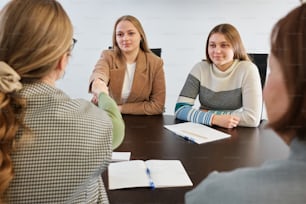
point(179, 27)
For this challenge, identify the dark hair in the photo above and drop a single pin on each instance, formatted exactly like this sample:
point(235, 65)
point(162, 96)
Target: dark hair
point(232, 35)
point(288, 45)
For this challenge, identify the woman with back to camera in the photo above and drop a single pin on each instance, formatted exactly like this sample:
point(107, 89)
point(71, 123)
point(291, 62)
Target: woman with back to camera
point(282, 181)
point(227, 83)
point(53, 148)
point(134, 75)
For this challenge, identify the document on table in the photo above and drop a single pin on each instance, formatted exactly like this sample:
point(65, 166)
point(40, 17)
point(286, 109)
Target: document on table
point(121, 156)
point(150, 173)
point(197, 133)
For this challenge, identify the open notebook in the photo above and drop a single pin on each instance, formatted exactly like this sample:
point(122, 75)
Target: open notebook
point(150, 173)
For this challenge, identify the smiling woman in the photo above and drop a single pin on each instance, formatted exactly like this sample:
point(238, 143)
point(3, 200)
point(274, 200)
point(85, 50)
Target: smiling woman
point(227, 83)
point(220, 51)
point(282, 181)
point(133, 74)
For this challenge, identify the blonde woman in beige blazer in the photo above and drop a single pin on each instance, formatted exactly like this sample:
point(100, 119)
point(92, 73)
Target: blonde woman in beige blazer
point(133, 74)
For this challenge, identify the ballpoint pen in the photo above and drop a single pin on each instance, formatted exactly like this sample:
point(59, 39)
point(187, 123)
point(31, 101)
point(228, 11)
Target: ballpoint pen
point(186, 137)
point(152, 186)
point(189, 139)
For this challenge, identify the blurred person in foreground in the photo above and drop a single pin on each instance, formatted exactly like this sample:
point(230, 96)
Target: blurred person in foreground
point(53, 148)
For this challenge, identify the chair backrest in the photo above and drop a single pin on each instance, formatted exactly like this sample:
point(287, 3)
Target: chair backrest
point(156, 51)
point(260, 59)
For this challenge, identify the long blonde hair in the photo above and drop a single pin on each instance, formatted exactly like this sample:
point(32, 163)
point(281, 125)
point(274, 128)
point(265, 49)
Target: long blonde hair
point(34, 35)
point(143, 42)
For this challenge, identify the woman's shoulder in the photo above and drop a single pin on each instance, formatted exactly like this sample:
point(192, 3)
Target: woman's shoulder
point(152, 56)
point(201, 65)
point(246, 64)
point(110, 56)
point(151, 60)
point(108, 53)
point(86, 112)
point(56, 105)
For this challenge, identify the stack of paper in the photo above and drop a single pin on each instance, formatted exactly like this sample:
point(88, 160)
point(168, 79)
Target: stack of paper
point(150, 173)
point(121, 156)
point(197, 133)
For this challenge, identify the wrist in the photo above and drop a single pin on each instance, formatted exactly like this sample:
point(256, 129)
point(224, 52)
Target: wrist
point(101, 94)
point(213, 119)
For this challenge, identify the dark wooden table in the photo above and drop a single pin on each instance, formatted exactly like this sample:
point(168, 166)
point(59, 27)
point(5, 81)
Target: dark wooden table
point(146, 138)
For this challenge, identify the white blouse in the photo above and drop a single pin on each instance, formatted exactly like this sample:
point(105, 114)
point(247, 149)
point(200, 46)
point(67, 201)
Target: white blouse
point(128, 81)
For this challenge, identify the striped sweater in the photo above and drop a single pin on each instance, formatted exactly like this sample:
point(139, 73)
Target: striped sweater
point(236, 91)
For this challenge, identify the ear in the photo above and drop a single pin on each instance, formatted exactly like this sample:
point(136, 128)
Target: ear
point(62, 63)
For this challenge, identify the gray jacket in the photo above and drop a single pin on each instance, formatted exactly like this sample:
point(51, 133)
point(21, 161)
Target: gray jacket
point(276, 182)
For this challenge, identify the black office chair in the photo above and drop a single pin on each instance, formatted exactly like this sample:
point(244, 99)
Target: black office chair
point(260, 59)
point(156, 51)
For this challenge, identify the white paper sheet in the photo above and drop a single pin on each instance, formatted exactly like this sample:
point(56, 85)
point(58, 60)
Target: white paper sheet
point(121, 156)
point(197, 133)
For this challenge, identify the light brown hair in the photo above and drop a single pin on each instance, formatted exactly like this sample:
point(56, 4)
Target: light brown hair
point(233, 36)
point(143, 42)
point(34, 35)
point(288, 43)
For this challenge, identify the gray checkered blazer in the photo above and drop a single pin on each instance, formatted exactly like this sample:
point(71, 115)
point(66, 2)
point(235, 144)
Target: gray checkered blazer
point(70, 146)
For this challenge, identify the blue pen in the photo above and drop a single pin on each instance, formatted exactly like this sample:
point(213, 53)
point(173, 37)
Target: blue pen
point(189, 139)
point(152, 186)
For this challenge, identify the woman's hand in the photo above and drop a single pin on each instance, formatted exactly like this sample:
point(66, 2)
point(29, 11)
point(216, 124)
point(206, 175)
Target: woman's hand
point(95, 100)
point(98, 86)
point(226, 121)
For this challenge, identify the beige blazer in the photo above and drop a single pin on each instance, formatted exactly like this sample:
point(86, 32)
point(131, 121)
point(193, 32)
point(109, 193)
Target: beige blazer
point(148, 91)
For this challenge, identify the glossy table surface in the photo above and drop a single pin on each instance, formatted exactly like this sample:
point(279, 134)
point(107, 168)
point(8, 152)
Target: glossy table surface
point(146, 138)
